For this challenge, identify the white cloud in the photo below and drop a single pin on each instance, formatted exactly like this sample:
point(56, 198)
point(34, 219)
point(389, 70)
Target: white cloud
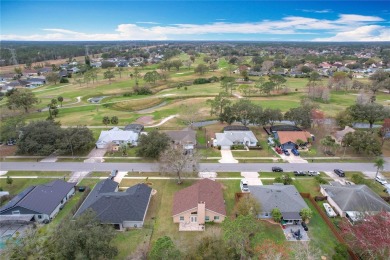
point(324, 11)
point(346, 27)
point(363, 33)
point(147, 22)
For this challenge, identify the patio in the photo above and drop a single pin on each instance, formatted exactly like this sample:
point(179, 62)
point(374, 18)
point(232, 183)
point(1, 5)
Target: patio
point(191, 226)
point(290, 229)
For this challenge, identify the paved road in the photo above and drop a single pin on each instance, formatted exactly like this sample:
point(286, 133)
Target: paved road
point(206, 167)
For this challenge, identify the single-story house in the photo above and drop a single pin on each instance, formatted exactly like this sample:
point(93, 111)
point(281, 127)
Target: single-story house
point(184, 138)
point(73, 70)
point(199, 203)
point(353, 201)
point(117, 136)
point(279, 128)
point(35, 82)
point(339, 135)
point(122, 209)
point(288, 139)
point(38, 203)
point(234, 136)
point(284, 197)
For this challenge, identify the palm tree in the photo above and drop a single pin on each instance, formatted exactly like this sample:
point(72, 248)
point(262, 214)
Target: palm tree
point(379, 163)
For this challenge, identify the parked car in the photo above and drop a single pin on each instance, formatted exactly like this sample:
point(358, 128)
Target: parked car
point(278, 150)
point(381, 180)
point(304, 226)
point(313, 173)
point(244, 185)
point(271, 141)
point(277, 169)
point(286, 152)
point(339, 172)
point(299, 173)
point(295, 152)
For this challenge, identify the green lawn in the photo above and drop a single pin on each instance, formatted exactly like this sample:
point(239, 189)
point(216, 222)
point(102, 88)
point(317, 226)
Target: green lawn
point(371, 183)
point(39, 173)
point(320, 234)
point(209, 152)
point(307, 185)
point(127, 242)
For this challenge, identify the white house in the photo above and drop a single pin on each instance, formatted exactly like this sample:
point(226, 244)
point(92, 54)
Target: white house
point(117, 136)
point(235, 135)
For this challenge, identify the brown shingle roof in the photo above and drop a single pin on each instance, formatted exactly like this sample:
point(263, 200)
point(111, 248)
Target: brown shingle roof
point(204, 190)
point(292, 136)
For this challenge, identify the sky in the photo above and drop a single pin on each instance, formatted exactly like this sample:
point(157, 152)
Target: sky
point(98, 20)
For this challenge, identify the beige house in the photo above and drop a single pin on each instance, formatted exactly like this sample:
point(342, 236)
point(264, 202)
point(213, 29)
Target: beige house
point(200, 203)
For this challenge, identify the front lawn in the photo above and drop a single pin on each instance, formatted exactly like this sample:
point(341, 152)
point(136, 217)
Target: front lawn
point(307, 185)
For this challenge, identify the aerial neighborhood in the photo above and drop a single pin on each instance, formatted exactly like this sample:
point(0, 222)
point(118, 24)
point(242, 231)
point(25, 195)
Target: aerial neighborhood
point(196, 149)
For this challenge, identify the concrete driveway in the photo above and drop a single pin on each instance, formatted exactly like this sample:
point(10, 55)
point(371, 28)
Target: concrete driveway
point(227, 157)
point(292, 158)
point(335, 177)
point(119, 176)
point(252, 178)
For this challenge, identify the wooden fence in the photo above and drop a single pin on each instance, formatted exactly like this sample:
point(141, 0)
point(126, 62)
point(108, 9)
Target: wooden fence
point(329, 224)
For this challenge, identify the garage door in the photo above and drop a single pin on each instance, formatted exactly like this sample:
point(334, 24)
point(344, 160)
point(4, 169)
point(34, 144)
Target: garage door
point(225, 147)
point(289, 146)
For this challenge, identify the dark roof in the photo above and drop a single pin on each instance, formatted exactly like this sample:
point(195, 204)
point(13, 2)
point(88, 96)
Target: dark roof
point(134, 127)
point(291, 216)
point(205, 190)
point(235, 128)
point(43, 198)
point(183, 136)
point(116, 207)
point(278, 128)
point(356, 198)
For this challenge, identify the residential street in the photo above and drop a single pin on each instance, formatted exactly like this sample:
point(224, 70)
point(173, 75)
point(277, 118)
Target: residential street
point(207, 167)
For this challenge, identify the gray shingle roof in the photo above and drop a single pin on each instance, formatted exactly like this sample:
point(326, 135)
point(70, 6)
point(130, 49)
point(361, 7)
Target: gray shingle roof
point(284, 197)
point(356, 198)
point(116, 207)
point(44, 198)
point(182, 136)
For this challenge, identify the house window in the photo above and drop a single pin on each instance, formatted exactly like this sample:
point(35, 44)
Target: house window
point(39, 216)
point(216, 217)
point(207, 218)
point(16, 212)
point(181, 218)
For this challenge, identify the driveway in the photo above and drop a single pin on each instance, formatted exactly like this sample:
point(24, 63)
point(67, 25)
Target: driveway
point(227, 157)
point(77, 177)
point(119, 176)
point(252, 178)
point(335, 177)
point(292, 158)
point(96, 155)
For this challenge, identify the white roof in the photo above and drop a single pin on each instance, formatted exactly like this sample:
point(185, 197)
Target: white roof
point(230, 137)
point(117, 134)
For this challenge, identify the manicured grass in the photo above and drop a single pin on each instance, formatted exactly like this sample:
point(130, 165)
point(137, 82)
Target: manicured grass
point(371, 183)
point(253, 153)
point(209, 152)
point(230, 187)
point(38, 173)
point(271, 174)
point(307, 185)
point(201, 137)
point(320, 234)
point(269, 231)
point(127, 242)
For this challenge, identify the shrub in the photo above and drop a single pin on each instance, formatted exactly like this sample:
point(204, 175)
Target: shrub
point(64, 80)
point(276, 215)
point(199, 81)
point(285, 179)
point(238, 147)
point(142, 90)
point(127, 94)
point(341, 252)
point(306, 214)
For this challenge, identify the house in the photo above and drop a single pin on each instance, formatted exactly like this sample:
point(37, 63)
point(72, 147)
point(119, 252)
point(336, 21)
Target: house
point(284, 197)
point(63, 74)
point(386, 128)
point(116, 136)
point(30, 72)
point(339, 135)
point(73, 70)
point(45, 70)
point(184, 138)
point(278, 128)
point(38, 203)
point(125, 209)
point(35, 82)
point(353, 201)
point(202, 202)
point(289, 139)
point(232, 135)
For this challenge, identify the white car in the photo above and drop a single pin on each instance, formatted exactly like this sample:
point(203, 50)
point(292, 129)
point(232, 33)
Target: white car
point(381, 180)
point(313, 173)
point(244, 185)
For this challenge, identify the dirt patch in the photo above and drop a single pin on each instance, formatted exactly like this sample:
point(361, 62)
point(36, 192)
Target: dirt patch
point(6, 150)
point(144, 120)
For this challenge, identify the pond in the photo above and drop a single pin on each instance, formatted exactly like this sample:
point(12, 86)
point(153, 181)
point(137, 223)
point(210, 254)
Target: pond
point(96, 100)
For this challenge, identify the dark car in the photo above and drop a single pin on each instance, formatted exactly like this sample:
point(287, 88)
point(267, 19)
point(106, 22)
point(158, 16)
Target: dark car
point(339, 172)
point(304, 226)
point(299, 173)
point(277, 169)
point(286, 152)
point(295, 152)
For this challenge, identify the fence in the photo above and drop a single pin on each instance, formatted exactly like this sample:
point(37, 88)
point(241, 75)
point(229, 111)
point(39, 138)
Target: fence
point(329, 224)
